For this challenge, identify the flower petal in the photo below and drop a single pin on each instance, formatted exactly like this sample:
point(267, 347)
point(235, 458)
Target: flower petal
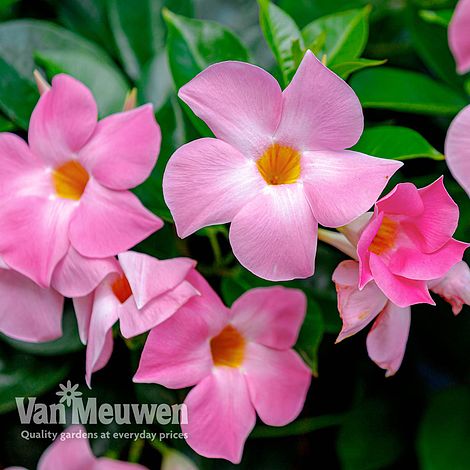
point(77, 275)
point(220, 415)
point(459, 40)
point(27, 311)
point(401, 291)
point(457, 148)
point(278, 382)
point(83, 307)
point(404, 200)
point(123, 150)
point(207, 182)
point(386, 341)
point(240, 102)
point(150, 277)
point(320, 110)
point(62, 121)
point(108, 222)
point(357, 308)
point(275, 234)
point(34, 236)
point(271, 316)
point(341, 186)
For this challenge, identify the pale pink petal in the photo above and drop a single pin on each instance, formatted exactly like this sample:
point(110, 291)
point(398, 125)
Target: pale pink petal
point(34, 238)
point(275, 234)
point(220, 415)
point(340, 186)
point(459, 39)
point(457, 148)
point(271, 316)
point(367, 236)
point(77, 275)
point(207, 182)
point(401, 291)
point(104, 315)
point(27, 311)
point(386, 341)
point(278, 382)
point(240, 102)
point(72, 452)
point(354, 229)
point(62, 121)
point(404, 200)
point(124, 148)
point(83, 307)
point(150, 277)
point(108, 222)
point(454, 287)
point(357, 308)
point(320, 110)
point(439, 219)
point(413, 264)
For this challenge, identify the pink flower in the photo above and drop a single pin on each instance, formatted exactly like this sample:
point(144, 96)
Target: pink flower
point(459, 38)
point(27, 311)
point(141, 292)
point(386, 341)
point(69, 189)
point(277, 167)
point(72, 450)
point(457, 148)
point(454, 287)
point(408, 241)
point(240, 360)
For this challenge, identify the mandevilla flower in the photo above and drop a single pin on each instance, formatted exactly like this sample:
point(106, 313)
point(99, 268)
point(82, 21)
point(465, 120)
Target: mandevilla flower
point(459, 37)
point(277, 167)
point(239, 359)
point(408, 241)
point(69, 189)
point(457, 148)
point(71, 450)
point(140, 291)
point(27, 311)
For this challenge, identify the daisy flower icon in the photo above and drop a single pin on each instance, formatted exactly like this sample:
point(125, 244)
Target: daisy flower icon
point(68, 393)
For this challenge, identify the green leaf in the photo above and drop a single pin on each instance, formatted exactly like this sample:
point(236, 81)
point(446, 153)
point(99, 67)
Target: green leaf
point(193, 45)
point(22, 375)
point(405, 91)
point(396, 143)
point(369, 438)
point(344, 69)
point(346, 34)
point(440, 17)
point(5, 124)
point(444, 433)
point(280, 32)
point(106, 83)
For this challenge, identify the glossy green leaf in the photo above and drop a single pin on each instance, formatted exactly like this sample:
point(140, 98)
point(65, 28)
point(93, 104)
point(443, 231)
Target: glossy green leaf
point(344, 69)
point(346, 34)
point(107, 85)
point(6, 125)
point(439, 17)
point(397, 143)
point(405, 91)
point(444, 433)
point(193, 45)
point(280, 32)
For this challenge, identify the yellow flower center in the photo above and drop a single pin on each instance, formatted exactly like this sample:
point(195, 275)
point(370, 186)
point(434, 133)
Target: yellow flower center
point(70, 180)
point(121, 288)
point(385, 238)
point(228, 347)
point(279, 164)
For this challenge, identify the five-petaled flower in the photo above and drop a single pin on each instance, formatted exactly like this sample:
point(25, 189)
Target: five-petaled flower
point(277, 167)
point(239, 359)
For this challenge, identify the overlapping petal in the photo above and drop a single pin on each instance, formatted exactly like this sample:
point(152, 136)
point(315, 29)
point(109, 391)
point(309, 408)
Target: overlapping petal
point(459, 40)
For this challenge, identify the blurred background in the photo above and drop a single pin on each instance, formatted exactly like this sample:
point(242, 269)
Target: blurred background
point(354, 417)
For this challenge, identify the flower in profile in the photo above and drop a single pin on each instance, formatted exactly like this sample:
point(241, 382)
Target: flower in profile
point(240, 360)
point(407, 241)
point(457, 148)
point(141, 292)
point(68, 393)
point(454, 287)
point(459, 39)
point(68, 190)
point(278, 165)
point(28, 312)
